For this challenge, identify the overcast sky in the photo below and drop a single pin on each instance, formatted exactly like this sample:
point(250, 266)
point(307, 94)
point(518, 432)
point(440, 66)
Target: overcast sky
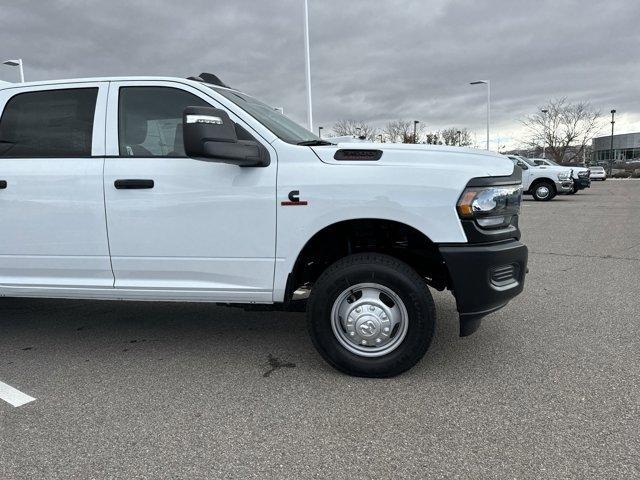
point(370, 60)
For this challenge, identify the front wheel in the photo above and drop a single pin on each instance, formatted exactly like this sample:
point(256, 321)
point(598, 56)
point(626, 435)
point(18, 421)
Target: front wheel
point(371, 315)
point(544, 191)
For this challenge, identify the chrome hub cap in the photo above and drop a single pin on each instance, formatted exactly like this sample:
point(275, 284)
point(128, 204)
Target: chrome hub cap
point(369, 319)
point(542, 191)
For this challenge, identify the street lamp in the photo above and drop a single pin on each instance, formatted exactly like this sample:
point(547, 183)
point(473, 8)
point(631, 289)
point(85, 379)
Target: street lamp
point(307, 64)
point(381, 140)
point(16, 63)
point(358, 130)
point(613, 122)
point(415, 131)
point(544, 134)
point(488, 84)
point(459, 133)
point(320, 132)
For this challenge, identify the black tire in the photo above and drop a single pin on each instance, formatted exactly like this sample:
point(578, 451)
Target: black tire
point(392, 274)
point(537, 193)
point(573, 191)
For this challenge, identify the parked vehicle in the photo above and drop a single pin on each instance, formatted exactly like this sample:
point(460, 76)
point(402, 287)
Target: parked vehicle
point(598, 173)
point(579, 174)
point(542, 183)
point(165, 189)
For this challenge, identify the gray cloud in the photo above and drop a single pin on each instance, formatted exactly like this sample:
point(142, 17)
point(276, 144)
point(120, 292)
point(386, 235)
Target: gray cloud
point(374, 61)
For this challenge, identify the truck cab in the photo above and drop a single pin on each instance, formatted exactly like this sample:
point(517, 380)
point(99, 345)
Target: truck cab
point(168, 189)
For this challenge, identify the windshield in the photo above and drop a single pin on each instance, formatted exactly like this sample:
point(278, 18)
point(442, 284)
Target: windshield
point(531, 163)
point(281, 126)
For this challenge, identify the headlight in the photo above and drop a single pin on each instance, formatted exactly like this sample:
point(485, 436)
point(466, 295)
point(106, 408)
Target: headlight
point(564, 175)
point(491, 207)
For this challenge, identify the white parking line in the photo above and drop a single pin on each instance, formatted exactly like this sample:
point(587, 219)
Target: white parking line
point(13, 396)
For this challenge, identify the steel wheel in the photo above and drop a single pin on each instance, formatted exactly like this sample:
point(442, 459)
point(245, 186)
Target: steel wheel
point(369, 320)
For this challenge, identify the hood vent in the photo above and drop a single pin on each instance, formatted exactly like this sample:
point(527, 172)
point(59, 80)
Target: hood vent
point(358, 154)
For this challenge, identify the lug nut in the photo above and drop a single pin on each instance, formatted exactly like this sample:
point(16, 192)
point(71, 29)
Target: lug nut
point(358, 310)
point(385, 329)
point(372, 308)
point(364, 342)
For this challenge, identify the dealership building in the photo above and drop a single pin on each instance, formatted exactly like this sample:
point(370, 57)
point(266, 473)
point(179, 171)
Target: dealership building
point(625, 147)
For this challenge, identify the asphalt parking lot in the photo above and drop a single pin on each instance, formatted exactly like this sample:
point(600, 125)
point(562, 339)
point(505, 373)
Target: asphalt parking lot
point(549, 387)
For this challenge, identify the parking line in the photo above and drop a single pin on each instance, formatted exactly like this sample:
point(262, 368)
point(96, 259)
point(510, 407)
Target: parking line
point(13, 396)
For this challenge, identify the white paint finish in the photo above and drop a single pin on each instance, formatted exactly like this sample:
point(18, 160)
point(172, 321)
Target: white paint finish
point(13, 396)
point(52, 213)
point(412, 184)
point(205, 225)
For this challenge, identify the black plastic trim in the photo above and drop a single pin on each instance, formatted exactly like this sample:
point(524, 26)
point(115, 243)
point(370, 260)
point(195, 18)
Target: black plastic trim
point(3, 184)
point(514, 178)
point(358, 154)
point(470, 268)
point(133, 184)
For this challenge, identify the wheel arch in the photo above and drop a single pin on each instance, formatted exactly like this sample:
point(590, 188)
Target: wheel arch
point(368, 234)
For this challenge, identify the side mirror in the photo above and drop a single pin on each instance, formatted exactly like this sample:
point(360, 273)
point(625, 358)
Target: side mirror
point(522, 165)
point(210, 135)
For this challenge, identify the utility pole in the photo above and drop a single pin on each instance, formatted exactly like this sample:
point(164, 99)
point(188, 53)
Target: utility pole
point(613, 122)
point(544, 134)
point(415, 131)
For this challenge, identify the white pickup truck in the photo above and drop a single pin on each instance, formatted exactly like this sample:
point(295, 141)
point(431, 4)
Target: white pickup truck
point(167, 189)
point(543, 183)
point(581, 175)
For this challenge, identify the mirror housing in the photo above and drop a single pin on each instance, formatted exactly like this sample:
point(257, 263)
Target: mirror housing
point(522, 165)
point(210, 135)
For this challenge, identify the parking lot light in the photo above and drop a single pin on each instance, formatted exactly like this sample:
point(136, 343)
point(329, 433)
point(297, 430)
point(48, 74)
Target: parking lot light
point(613, 122)
point(544, 130)
point(488, 84)
point(16, 63)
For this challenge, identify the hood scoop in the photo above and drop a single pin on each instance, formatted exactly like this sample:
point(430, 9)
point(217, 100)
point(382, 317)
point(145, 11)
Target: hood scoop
point(358, 154)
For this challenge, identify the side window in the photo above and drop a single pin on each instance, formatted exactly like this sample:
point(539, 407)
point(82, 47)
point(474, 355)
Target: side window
point(51, 123)
point(150, 120)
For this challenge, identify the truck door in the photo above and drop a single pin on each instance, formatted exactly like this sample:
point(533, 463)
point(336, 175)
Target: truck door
point(191, 229)
point(51, 190)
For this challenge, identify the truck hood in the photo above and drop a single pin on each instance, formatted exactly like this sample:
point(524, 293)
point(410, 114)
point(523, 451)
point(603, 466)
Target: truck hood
point(480, 163)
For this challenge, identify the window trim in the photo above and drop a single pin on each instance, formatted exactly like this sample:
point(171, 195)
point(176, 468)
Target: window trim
point(112, 145)
point(99, 115)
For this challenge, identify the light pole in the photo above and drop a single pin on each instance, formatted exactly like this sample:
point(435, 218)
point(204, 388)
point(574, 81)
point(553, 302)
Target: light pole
point(459, 133)
point(16, 63)
point(488, 84)
point(613, 122)
point(320, 132)
point(307, 69)
point(544, 130)
point(381, 140)
point(415, 131)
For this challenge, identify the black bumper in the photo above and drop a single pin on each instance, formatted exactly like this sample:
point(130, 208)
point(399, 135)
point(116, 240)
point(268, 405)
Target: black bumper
point(582, 183)
point(484, 278)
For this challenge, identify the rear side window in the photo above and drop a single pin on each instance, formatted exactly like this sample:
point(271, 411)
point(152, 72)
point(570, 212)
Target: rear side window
point(51, 123)
point(150, 120)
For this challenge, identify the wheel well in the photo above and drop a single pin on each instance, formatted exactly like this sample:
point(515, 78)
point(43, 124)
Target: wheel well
point(367, 235)
point(538, 181)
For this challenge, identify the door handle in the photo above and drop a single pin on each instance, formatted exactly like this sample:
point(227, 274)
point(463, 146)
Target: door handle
point(3, 184)
point(132, 183)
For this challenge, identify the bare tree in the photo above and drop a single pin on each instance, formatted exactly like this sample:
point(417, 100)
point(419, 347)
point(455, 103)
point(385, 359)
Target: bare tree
point(433, 138)
point(450, 136)
point(401, 131)
point(355, 127)
point(565, 129)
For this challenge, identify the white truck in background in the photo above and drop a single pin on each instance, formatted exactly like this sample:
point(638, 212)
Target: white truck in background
point(543, 183)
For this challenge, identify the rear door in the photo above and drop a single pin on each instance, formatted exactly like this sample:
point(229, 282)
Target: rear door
point(181, 228)
point(51, 192)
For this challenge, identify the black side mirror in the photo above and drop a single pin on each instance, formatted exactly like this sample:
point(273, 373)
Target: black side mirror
point(522, 165)
point(210, 135)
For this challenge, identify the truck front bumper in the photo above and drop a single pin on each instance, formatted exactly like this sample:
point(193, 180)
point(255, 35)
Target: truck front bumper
point(484, 278)
point(564, 186)
point(582, 183)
